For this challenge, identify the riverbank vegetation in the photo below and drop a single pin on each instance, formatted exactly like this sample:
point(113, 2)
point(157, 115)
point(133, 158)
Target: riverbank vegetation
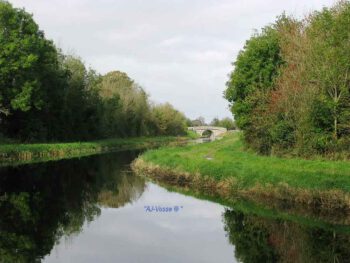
point(225, 168)
point(289, 89)
point(24, 153)
point(48, 96)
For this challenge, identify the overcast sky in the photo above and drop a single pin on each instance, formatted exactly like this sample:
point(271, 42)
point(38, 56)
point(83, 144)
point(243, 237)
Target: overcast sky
point(180, 51)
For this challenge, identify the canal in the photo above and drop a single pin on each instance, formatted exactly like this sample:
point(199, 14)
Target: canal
point(94, 209)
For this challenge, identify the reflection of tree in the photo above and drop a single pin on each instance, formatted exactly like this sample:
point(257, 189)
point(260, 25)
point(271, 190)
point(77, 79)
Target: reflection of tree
point(250, 240)
point(40, 203)
point(129, 189)
point(258, 239)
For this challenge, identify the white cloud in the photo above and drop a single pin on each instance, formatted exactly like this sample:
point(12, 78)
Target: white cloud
point(180, 50)
point(171, 42)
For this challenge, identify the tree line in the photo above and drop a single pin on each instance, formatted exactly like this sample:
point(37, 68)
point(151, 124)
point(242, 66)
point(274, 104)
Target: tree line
point(226, 122)
point(290, 86)
point(46, 95)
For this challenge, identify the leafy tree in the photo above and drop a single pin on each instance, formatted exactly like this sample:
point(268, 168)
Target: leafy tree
point(81, 102)
point(132, 101)
point(255, 69)
point(30, 78)
point(227, 123)
point(289, 90)
point(46, 95)
point(168, 121)
point(200, 121)
point(329, 58)
point(215, 122)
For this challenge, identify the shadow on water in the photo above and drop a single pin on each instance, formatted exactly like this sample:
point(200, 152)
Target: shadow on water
point(39, 203)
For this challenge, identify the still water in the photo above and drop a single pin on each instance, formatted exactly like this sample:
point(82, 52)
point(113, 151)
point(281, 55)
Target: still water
point(94, 209)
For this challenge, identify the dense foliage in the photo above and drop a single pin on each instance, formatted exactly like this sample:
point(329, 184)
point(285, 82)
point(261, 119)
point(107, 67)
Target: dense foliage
point(46, 95)
point(167, 120)
point(227, 123)
point(290, 87)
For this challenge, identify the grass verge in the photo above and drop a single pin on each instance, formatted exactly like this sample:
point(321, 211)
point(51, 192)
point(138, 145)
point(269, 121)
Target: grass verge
point(24, 153)
point(224, 168)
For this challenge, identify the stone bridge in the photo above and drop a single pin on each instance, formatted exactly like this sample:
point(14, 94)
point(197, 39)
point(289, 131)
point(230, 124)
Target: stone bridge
point(214, 131)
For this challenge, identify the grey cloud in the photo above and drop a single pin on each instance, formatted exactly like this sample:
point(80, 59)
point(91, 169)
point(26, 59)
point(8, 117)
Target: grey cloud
point(179, 50)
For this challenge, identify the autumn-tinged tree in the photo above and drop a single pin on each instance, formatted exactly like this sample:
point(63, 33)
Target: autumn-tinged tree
point(303, 106)
point(312, 93)
point(330, 69)
point(255, 70)
point(253, 77)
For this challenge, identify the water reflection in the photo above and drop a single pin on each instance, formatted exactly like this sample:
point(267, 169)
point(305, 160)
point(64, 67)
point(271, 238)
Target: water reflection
point(129, 234)
point(92, 210)
point(39, 203)
point(261, 239)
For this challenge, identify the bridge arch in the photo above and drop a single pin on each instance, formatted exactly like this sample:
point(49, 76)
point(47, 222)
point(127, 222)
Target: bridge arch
point(207, 133)
point(215, 131)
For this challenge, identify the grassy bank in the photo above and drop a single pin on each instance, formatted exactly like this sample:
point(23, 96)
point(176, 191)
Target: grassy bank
point(13, 153)
point(226, 169)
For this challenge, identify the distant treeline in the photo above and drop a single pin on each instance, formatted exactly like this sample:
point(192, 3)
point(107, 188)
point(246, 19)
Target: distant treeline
point(46, 95)
point(227, 123)
point(290, 87)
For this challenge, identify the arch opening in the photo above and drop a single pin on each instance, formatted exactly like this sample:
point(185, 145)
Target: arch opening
point(207, 134)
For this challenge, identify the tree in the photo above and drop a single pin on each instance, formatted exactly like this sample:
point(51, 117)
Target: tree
point(227, 123)
point(253, 77)
point(168, 121)
point(215, 122)
point(81, 102)
point(134, 108)
point(329, 63)
point(200, 121)
point(289, 90)
point(255, 69)
point(29, 73)
point(46, 95)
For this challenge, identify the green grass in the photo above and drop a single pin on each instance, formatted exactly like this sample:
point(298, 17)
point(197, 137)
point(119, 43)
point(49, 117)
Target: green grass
point(12, 153)
point(226, 158)
point(192, 135)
